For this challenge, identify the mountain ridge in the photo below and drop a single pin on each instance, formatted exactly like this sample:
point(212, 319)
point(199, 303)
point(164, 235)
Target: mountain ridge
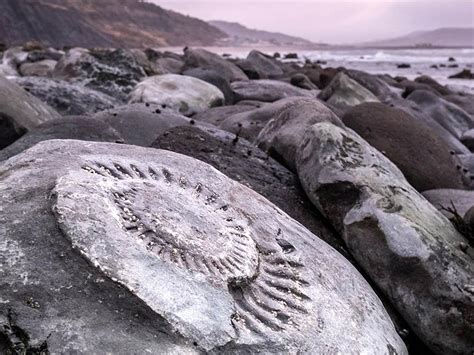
point(240, 35)
point(440, 37)
point(105, 23)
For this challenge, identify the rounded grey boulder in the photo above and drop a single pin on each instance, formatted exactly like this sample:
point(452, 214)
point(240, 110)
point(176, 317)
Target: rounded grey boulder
point(131, 250)
point(412, 252)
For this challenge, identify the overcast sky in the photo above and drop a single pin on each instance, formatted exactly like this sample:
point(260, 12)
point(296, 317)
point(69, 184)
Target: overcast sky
point(337, 21)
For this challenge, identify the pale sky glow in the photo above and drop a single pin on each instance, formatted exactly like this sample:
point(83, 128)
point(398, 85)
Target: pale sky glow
point(345, 21)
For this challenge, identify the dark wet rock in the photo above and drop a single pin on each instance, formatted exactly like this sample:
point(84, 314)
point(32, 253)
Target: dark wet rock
point(183, 94)
point(23, 109)
point(250, 69)
point(409, 86)
point(266, 90)
point(65, 97)
point(291, 56)
point(41, 68)
point(212, 77)
point(420, 115)
point(374, 84)
point(440, 89)
point(404, 66)
point(422, 156)
point(200, 58)
point(166, 66)
point(248, 165)
point(464, 101)
point(451, 117)
point(468, 139)
point(9, 132)
point(249, 124)
point(217, 115)
point(451, 59)
point(302, 81)
point(140, 124)
point(266, 66)
point(464, 74)
point(444, 199)
point(282, 135)
point(98, 226)
point(466, 165)
point(343, 93)
point(469, 218)
point(72, 127)
point(403, 243)
point(114, 72)
point(326, 76)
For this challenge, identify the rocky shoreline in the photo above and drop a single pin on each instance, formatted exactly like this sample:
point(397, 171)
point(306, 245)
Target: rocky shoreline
point(153, 202)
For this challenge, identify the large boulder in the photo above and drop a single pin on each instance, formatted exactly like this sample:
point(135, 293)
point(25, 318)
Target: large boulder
point(23, 109)
point(468, 139)
point(440, 89)
point(72, 127)
point(412, 252)
point(464, 101)
point(184, 94)
point(282, 135)
point(65, 97)
point(9, 132)
point(249, 124)
point(374, 84)
point(344, 93)
point(466, 165)
point(412, 109)
point(142, 124)
point(245, 163)
point(266, 67)
point(449, 199)
point(122, 249)
point(42, 68)
point(267, 90)
point(114, 72)
point(200, 58)
point(422, 156)
point(212, 77)
point(302, 81)
point(451, 117)
point(216, 115)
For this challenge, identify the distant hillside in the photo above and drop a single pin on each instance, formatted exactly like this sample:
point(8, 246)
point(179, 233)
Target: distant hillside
point(100, 23)
point(442, 37)
point(240, 35)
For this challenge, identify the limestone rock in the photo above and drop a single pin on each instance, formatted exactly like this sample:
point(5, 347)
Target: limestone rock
point(71, 127)
point(451, 117)
point(142, 124)
point(25, 110)
point(266, 66)
point(96, 242)
point(402, 242)
point(412, 146)
point(65, 97)
point(183, 94)
point(41, 68)
point(196, 57)
point(468, 139)
point(442, 199)
point(343, 93)
point(216, 115)
point(212, 77)
point(267, 90)
point(249, 124)
point(282, 135)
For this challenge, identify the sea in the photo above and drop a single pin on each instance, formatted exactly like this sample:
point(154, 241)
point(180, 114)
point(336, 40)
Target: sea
point(384, 61)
